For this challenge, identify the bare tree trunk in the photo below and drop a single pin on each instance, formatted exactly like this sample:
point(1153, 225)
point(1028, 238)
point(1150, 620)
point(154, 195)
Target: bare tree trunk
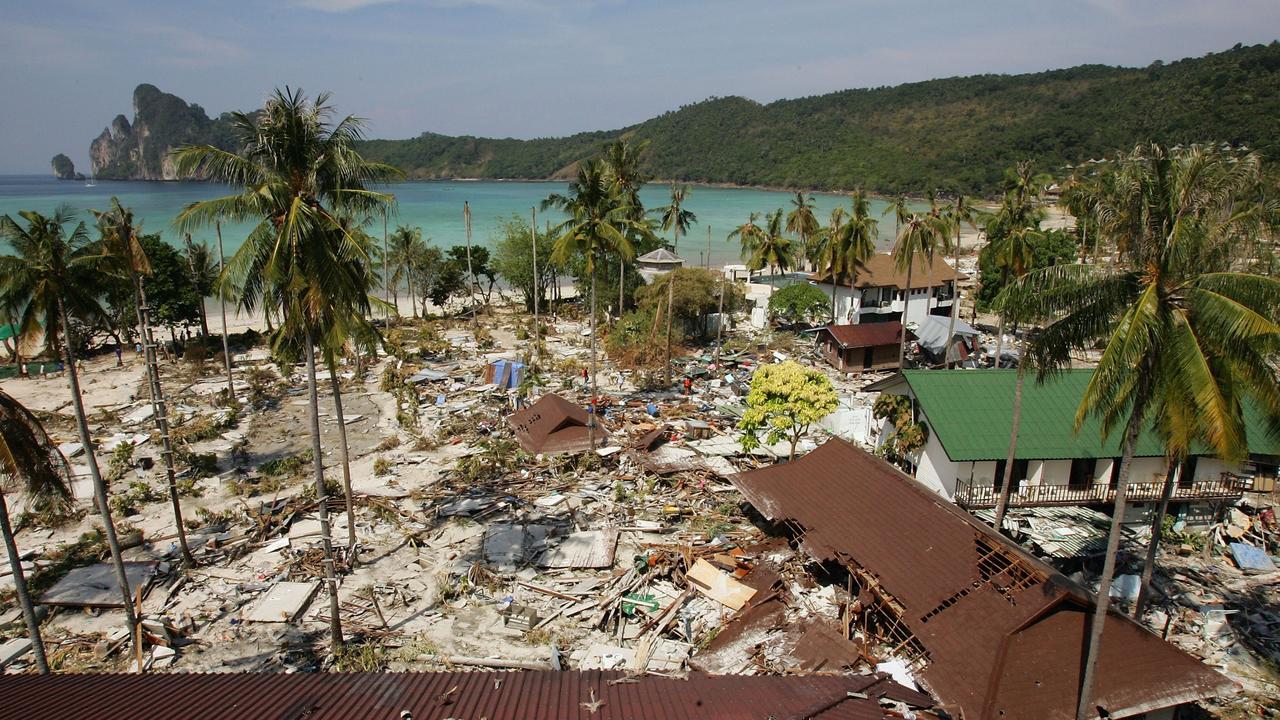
point(346, 459)
point(533, 235)
point(955, 301)
point(413, 298)
point(99, 486)
point(1157, 528)
point(622, 282)
point(906, 306)
point(386, 274)
point(1085, 710)
point(1000, 344)
point(671, 289)
point(1006, 483)
point(160, 410)
point(20, 588)
point(222, 303)
point(591, 403)
point(322, 496)
point(719, 329)
point(471, 278)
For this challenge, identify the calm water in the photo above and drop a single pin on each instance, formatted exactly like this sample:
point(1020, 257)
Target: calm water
point(436, 207)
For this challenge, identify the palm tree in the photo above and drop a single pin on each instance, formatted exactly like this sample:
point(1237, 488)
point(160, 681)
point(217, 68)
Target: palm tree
point(749, 235)
point(204, 276)
point(771, 248)
point(31, 464)
point(52, 272)
point(803, 223)
point(919, 239)
point(121, 246)
point(1187, 339)
point(901, 213)
point(599, 222)
point(622, 161)
point(849, 242)
point(960, 212)
point(675, 218)
point(405, 248)
point(300, 178)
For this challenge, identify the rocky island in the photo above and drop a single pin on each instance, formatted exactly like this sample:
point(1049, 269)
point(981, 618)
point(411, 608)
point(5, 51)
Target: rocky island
point(161, 122)
point(64, 169)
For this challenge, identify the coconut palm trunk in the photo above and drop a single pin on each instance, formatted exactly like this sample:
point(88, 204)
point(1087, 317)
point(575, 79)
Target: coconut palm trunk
point(1006, 482)
point(160, 410)
point(346, 459)
point(671, 285)
point(1157, 527)
point(222, 305)
point(591, 406)
point(622, 282)
point(95, 475)
point(20, 589)
point(906, 306)
point(1085, 709)
point(955, 299)
point(322, 496)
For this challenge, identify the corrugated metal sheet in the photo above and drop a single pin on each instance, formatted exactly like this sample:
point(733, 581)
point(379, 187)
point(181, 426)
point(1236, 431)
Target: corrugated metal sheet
point(531, 695)
point(966, 591)
point(553, 425)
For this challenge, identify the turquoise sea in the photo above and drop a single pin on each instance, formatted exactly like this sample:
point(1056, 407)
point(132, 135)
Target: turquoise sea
point(436, 207)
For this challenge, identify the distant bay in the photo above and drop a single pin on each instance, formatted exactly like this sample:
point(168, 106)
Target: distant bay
point(434, 206)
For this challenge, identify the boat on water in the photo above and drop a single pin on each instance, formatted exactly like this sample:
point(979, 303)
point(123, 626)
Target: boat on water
point(90, 183)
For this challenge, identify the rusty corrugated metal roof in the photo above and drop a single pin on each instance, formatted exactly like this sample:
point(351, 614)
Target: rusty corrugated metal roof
point(528, 695)
point(880, 270)
point(973, 599)
point(865, 334)
point(553, 425)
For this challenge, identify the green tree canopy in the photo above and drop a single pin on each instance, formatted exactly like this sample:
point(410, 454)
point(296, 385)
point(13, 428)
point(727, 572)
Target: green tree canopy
point(798, 303)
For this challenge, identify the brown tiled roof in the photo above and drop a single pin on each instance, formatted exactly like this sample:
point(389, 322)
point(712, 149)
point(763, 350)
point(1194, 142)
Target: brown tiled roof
point(865, 334)
point(529, 695)
point(1002, 631)
point(552, 426)
point(880, 271)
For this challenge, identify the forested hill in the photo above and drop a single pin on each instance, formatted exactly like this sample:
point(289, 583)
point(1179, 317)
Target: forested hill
point(953, 134)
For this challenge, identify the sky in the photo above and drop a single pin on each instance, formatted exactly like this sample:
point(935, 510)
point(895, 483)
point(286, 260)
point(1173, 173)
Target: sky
point(539, 68)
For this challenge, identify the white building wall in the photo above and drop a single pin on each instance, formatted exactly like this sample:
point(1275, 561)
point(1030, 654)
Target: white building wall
point(936, 470)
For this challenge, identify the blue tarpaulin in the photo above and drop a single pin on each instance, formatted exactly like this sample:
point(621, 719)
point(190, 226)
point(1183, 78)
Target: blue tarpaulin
point(505, 373)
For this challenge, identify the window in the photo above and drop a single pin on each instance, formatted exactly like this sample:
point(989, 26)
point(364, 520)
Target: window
point(1188, 474)
point(1019, 474)
point(1082, 472)
point(1115, 473)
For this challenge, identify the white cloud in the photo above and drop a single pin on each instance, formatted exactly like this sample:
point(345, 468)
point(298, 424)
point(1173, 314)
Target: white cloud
point(339, 6)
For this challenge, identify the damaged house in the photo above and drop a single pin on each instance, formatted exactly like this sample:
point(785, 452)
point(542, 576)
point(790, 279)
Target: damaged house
point(878, 291)
point(989, 629)
point(967, 418)
point(554, 426)
point(860, 348)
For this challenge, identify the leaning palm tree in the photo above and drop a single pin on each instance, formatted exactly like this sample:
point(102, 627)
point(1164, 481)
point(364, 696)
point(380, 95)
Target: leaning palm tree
point(121, 246)
point(901, 210)
point(1187, 339)
point(772, 249)
point(30, 464)
point(804, 224)
point(675, 218)
point(300, 177)
point(599, 222)
point(749, 235)
point(52, 274)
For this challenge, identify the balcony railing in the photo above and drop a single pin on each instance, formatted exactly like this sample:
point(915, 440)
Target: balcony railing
point(983, 495)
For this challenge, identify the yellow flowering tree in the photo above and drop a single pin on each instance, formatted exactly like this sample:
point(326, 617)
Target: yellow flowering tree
point(785, 399)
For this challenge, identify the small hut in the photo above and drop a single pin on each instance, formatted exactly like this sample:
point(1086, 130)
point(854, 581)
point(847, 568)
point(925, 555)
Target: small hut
point(652, 264)
point(553, 426)
point(857, 348)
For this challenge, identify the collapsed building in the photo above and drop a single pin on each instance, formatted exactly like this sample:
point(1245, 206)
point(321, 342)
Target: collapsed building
point(990, 630)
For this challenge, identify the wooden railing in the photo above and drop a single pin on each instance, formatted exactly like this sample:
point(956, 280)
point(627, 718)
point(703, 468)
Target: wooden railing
point(983, 495)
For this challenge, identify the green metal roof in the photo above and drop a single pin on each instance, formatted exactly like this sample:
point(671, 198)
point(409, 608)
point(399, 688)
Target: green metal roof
point(8, 331)
point(971, 414)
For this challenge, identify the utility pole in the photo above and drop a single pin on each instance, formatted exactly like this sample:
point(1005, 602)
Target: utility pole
point(671, 289)
point(471, 288)
point(222, 304)
point(708, 247)
point(719, 328)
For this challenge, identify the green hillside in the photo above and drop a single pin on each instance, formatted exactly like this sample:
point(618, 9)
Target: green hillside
point(951, 134)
